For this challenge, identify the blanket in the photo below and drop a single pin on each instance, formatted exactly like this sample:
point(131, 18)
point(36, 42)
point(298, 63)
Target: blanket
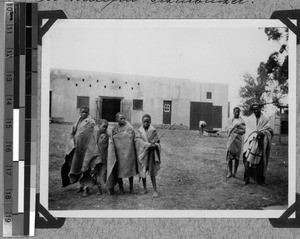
point(76, 147)
point(148, 156)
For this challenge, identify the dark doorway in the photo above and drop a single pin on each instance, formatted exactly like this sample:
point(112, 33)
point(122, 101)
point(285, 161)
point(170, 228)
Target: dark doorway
point(110, 107)
point(167, 111)
point(201, 111)
point(217, 116)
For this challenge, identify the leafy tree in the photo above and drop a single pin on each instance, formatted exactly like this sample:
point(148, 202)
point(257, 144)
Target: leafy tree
point(254, 89)
point(277, 70)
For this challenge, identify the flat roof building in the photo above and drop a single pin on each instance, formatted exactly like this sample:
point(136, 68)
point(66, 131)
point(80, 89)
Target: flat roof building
point(167, 100)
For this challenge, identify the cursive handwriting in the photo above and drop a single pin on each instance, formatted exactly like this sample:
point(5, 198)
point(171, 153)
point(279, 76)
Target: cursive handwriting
point(200, 1)
point(109, 2)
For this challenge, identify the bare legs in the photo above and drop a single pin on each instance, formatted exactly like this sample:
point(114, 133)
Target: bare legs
point(231, 172)
point(121, 188)
point(153, 181)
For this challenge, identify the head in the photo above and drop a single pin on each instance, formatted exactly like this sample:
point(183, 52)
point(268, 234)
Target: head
point(120, 118)
point(103, 125)
point(84, 111)
point(146, 120)
point(236, 112)
point(256, 109)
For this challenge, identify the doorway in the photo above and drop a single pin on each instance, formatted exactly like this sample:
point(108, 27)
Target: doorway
point(110, 107)
point(167, 111)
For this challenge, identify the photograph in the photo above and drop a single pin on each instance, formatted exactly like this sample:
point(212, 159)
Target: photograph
point(194, 117)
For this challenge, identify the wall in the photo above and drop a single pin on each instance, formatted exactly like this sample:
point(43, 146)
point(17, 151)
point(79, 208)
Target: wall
point(152, 90)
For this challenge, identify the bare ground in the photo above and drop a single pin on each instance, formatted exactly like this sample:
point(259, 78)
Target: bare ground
point(192, 176)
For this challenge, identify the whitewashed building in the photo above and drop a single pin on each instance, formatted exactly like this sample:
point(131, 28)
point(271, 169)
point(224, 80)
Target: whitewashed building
point(167, 100)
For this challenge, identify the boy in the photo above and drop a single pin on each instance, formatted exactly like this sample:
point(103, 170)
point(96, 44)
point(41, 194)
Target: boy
point(95, 163)
point(148, 151)
point(121, 155)
point(76, 147)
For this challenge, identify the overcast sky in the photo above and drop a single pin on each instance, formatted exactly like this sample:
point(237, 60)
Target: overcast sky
point(214, 51)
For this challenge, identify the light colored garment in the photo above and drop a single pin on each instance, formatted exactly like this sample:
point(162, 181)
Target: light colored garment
point(253, 149)
point(235, 129)
point(148, 157)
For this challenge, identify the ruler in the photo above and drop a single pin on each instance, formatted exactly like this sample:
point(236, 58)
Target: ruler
point(20, 118)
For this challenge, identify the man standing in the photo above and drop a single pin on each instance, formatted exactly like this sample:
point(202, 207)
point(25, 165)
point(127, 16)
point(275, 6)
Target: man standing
point(256, 152)
point(235, 129)
point(122, 161)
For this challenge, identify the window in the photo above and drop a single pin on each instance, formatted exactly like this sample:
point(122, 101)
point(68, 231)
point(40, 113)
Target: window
point(167, 108)
point(137, 104)
point(208, 95)
point(83, 101)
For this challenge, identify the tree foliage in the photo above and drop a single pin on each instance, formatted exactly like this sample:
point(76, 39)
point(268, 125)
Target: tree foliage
point(254, 89)
point(271, 81)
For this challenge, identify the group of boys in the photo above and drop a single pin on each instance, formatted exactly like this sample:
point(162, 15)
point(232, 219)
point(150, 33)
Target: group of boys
point(93, 157)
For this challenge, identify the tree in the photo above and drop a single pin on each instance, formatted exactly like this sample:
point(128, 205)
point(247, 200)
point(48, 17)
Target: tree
point(254, 89)
point(277, 68)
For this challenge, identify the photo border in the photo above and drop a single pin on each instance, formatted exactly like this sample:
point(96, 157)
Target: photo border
point(44, 181)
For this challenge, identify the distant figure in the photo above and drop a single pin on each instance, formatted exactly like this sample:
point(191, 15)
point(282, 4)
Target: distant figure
point(202, 125)
point(257, 145)
point(95, 162)
point(235, 129)
point(76, 147)
point(148, 153)
point(122, 162)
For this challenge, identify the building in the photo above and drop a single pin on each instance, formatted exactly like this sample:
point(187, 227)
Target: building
point(167, 100)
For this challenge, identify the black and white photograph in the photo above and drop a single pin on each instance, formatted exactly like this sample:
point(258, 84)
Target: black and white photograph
point(168, 118)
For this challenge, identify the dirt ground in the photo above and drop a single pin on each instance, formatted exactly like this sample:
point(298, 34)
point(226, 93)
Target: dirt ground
point(192, 176)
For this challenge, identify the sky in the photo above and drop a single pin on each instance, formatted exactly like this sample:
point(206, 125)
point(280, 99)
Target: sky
point(216, 51)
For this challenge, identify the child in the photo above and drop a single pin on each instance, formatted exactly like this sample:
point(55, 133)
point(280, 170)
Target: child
point(95, 164)
point(148, 151)
point(122, 157)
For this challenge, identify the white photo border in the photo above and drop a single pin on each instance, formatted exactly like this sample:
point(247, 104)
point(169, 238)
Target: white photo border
point(205, 23)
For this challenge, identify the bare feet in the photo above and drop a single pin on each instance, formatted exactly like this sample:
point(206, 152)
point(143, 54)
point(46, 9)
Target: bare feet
point(155, 194)
point(85, 193)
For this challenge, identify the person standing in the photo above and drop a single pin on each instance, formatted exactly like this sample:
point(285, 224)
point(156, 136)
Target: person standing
point(95, 162)
point(148, 153)
point(257, 145)
point(235, 129)
point(76, 147)
point(122, 161)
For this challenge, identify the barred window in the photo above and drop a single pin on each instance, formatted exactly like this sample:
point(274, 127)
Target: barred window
point(83, 101)
point(137, 104)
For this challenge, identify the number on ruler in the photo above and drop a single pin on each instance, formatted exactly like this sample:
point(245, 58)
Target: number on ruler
point(8, 195)
point(8, 148)
point(8, 124)
point(9, 77)
point(7, 218)
point(9, 29)
point(9, 100)
point(9, 53)
point(8, 171)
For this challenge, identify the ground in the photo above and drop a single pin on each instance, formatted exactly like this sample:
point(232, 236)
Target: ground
point(192, 176)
